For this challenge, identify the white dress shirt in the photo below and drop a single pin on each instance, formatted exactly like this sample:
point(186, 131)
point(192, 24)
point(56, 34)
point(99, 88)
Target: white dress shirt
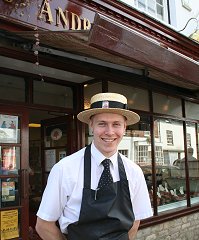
point(63, 194)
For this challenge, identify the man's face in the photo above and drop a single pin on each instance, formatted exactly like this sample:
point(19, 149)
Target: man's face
point(108, 130)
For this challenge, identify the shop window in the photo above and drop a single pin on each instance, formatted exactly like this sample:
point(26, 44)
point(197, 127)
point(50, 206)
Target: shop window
point(169, 137)
point(138, 141)
point(192, 110)
point(142, 154)
point(167, 105)
point(137, 98)
point(89, 91)
point(170, 176)
point(193, 162)
point(155, 8)
point(53, 95)
point(159, 155)
point(188, 140)
point(12, 88)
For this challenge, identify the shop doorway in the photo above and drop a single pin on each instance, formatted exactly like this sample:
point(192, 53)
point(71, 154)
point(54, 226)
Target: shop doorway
point(50, 139)
point(14, 173)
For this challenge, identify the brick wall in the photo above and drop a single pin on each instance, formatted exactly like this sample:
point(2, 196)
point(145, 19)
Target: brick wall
point(185, 228)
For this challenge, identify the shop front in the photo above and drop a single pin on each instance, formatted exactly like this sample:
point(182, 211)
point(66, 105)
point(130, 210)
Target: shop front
point(54, 55)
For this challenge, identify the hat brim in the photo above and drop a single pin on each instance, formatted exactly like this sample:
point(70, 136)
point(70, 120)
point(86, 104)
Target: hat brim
point(131, 117)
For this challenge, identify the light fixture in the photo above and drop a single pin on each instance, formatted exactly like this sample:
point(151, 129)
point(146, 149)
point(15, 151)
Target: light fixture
point(34, 125)
point(166, 105)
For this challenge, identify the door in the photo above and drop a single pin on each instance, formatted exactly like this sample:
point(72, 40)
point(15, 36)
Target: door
point(13, 173)
point(58, 142)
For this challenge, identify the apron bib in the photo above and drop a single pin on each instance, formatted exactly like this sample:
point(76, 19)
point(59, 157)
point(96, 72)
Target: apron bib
point(106, 214)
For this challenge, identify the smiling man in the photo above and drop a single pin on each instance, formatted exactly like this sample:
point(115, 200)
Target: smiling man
point(96, 193)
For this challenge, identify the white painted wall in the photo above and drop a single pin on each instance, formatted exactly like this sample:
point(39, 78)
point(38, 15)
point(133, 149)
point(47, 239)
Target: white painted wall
point(180, 15)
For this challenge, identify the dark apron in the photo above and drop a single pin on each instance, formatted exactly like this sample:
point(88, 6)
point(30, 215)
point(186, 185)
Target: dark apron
point(105, 214)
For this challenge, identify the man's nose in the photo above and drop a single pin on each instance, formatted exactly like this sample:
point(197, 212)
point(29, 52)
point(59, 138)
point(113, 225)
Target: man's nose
point(109, 129)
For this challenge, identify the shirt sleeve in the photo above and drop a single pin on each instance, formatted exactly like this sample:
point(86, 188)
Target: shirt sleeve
point(140, 197)
point(51, 204)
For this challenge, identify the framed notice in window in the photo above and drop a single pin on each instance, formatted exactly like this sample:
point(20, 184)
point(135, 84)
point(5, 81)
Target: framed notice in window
point(8, 155)
point(8, 191)
point(8, 128)
point(9, 224)
point(50, 159)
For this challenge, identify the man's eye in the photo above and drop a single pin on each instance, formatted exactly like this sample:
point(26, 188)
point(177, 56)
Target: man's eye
point(117, 124)
point(101, 124)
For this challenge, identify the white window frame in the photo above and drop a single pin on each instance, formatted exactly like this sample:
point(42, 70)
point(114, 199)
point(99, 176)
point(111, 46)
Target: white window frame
point(143, 156)
point(169, 135)
point(145, 9)
point(124, 152)
point(159, 157)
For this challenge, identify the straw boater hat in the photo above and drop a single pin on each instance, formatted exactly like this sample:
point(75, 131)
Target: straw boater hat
point(109, 103)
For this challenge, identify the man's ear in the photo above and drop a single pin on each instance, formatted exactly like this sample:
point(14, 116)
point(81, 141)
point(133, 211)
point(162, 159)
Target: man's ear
point(91, 124)
point(125, 128)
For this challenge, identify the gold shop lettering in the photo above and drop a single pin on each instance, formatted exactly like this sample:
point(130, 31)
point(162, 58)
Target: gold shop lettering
point(67, 19)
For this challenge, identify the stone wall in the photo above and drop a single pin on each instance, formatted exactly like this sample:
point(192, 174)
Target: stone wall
point(185, 228)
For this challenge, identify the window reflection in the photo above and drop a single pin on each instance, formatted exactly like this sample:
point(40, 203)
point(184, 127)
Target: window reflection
point(137, 144)
point(89, 91)
point(137, 98)
point(167, 105)
point(193, 162)
point(170, 177)
point(191, 110)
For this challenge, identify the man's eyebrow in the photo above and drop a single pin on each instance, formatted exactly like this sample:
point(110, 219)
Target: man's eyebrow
point(104, 121)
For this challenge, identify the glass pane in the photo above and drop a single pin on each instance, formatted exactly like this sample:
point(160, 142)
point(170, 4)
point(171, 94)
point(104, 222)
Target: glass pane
point(193, 162)
point(136, 145)
point(52, 94)
point(170, 175)
point(9, 192)
point(160, 12)
point(151, 6)
point(89, 91)
point(129, 2)
point(167, 105)
point(159, 2)
point(12, 88)
point(10, 160)
point(192, 110)
point(137, 98)
point(9, 129)
point(56, 135)
point(35, 174)
point(141, 4)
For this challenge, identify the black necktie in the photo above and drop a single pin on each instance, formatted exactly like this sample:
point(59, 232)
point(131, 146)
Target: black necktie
point(106, 177)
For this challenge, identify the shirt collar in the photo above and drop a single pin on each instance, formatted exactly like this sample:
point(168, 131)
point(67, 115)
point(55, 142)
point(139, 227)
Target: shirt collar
point(98, 157)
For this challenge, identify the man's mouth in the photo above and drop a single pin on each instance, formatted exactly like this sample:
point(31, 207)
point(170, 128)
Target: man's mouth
point(108, 140)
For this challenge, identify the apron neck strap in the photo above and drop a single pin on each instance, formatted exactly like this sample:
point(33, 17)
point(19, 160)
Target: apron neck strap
point(121, 168)
point(87, 167)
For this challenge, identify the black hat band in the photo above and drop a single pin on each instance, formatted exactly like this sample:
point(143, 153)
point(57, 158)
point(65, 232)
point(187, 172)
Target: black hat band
point(108, 104)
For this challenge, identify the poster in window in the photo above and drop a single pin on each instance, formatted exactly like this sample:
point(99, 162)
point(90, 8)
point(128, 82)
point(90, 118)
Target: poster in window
point(50, 159)
point(8, 128)
point(9, 224)
point(8, 191)
point(8, 155)
point(62, 154)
